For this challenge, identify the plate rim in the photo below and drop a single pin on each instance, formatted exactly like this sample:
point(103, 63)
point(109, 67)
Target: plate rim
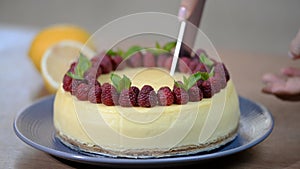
point(110, 160)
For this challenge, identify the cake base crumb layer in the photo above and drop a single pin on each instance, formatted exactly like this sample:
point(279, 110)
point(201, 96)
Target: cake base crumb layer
point(95, 150)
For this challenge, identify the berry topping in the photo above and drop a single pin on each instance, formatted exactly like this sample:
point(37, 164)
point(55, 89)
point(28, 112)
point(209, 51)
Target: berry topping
point(117, 62)
point(92, 74)
point(147, 97)
point(109, 95)
point(180, 96)
point(128, 98)
point(94, 95)
point(227, 76)
point(106, 64)
point(74, 85)
point(195, 94)
point(67, 83)
point(135, 60)
point(165, 96)
point(161, 60)
point(210, 87)
point(149, 60)
point(183, 65)
point(168, 63)
point(82, 91)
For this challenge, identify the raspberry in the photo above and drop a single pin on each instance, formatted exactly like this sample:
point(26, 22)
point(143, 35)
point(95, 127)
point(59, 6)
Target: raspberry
point(168, 63)
point(161, 60)
point(227, 76)
point(92, 74)
point(128, 98)
point(135, 60)
point(149, 60)
point(109, 95)
point(200, 68)
point(180, 96)
point(147, 97)
point(106, 65)
point(183, 64)
point(74, 85)
point(220, 75)
point(82, 91)
point(193, 64)
point(117, 62)
point(67, 83)
point(195, 94)
point(136, 90)
point(72, 67)
point(94, 95)
point(165, 96)
point(210, 87)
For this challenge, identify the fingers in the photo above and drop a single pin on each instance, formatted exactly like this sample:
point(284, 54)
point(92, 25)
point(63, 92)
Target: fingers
point(285, 89)
point(189, 6)
point(290, 71)
point(295, 47)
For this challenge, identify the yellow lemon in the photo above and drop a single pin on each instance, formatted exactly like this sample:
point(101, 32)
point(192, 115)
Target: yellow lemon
point(57, 60)
point(52, 35)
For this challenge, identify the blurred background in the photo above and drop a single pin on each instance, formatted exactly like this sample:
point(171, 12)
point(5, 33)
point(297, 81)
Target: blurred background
point(264, 26)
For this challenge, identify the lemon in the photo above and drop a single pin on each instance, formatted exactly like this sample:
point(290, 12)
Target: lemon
point(52, 35)
point(57, 60)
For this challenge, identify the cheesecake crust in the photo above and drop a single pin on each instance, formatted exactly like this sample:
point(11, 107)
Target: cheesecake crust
point(95, 150)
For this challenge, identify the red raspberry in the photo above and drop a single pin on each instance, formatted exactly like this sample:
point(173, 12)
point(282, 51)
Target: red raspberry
point(180, 96)
point(128, 98)
point(92, 74)
point(117, 62)
point(149, 60)
point(168, 63)
point(136, 90)
point(227, 76)
point(106, 65)
point(183, 65)
point(195, 94)
point(210, 87)
point(109, 95)
point(200, 68)
point(147, 97)
point(82, 91)
point(193, 64)
point(67, 83)
point(74, 85)
point(220, 75)
point(161, 59)
point(94, 95)
point(165, 96)
point(72, 67)
point(135, 60)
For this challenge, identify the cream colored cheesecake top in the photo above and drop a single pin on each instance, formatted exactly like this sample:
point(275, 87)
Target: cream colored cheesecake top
point(156, 77)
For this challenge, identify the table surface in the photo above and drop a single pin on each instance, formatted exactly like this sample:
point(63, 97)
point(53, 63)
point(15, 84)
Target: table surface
point(21, 85)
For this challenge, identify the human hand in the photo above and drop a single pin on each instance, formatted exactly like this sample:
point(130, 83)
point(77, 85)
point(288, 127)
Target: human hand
point(285, 86)
point(295, 47)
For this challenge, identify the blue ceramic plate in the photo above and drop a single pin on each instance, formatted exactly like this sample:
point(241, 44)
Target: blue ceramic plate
point(35, 127)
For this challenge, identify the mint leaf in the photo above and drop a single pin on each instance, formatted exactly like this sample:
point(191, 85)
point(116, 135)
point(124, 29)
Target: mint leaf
point(192, 80)
point(132, 50)
point(120, 83)
point(120, 52)
point(212, 72)
point(177, 84)
point(204, 59)
point(111, 53)
point(74, 76)
point(82, 66)
point(157, 45)
point(169, 46)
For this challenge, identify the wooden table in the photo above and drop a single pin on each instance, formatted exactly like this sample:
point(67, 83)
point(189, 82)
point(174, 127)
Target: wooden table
point(20, 85)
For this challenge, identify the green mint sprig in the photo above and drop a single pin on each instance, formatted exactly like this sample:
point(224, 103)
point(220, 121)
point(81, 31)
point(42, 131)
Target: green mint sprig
point(82, 66)
point(204, 59)
point(192, 79)
point(120, 83)
point(131, 51)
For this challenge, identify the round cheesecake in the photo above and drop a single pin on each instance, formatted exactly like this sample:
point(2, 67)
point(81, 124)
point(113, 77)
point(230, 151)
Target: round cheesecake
point(147, 132)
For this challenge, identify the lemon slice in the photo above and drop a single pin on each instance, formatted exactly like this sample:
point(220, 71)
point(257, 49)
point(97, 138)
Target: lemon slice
point(57, 60)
